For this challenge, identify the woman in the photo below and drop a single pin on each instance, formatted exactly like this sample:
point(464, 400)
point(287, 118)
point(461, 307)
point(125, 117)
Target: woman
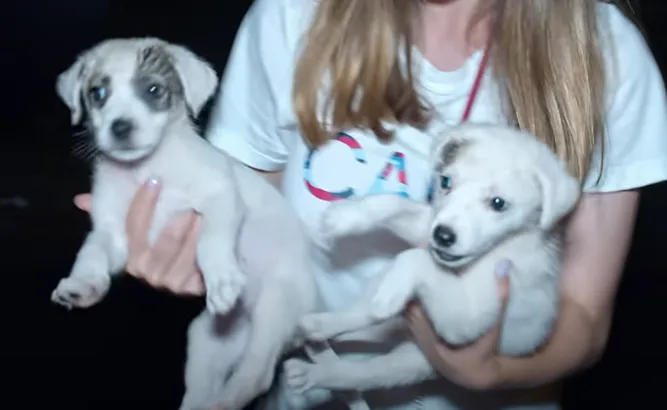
point(576, 73)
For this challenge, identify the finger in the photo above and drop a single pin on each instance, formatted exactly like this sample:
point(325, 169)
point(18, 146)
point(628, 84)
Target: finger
point(194, 285)
point(184, 282)
point(168, 246)
point(411, 309)
point(154, 263)
point(138, 265)
point(417, 322)
point(184, 276)
point(421, 328)
point(424, 332)
point(429, 342)
point(140, 214)
point(83, 202)
point(502, 272)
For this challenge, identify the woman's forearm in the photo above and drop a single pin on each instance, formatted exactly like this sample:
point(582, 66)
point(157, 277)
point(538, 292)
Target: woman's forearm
point(575, 344)
point(598, 239)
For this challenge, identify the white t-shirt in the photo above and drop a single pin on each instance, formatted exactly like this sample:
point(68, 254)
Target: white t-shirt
point(254, 122)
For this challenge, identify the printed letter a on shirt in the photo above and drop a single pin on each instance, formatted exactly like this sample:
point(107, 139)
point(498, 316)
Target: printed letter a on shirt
point(396, 166)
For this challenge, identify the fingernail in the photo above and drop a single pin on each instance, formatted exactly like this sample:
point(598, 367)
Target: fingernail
point(503, 268)
point(153, 182)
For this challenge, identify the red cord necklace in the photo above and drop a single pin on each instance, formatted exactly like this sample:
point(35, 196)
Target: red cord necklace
point(474, 90)
point(472, 95)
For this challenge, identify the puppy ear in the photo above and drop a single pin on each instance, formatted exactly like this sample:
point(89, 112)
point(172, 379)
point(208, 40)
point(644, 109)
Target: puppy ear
point(560, 190)
point(198, 77)
point(68, 87)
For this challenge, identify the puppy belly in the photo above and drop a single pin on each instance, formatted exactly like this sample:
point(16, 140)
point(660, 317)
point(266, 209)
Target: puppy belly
point(260, 251)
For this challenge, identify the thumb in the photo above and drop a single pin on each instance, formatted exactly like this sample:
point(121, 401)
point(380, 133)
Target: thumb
point(83, 201)
point(502, 272)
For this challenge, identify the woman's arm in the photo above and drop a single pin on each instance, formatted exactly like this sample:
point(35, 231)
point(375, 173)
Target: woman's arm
point(597, 242)
point(599, 234)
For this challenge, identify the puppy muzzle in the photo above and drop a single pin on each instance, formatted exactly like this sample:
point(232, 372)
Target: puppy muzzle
point(453, 264)
point(444, 256)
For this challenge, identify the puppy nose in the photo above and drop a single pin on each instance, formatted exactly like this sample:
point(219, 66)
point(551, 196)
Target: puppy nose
point(121, 129)
point(444, 236)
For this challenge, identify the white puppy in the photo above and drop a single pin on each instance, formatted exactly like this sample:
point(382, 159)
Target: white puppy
point(498, 194)
point(137, 93)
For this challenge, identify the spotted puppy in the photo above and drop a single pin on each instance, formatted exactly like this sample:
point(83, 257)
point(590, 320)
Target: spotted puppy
point(137, 94)
point(499, 195)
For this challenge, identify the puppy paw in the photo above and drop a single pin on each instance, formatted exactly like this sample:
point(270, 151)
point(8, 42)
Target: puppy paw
point(223, 278)
point(299, 375)
point(295, 401)
point(308, 400)
point(223, 289)
point(81, 291)
point(251, 378)
point(343, 218)
point(390, 299)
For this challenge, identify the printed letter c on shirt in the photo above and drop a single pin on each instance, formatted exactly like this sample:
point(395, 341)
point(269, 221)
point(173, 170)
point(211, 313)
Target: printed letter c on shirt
point(323, 194)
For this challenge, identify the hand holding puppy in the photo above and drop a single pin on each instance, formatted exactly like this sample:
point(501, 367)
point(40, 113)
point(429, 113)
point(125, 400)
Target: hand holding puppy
point(171, 263)
point(474, 366)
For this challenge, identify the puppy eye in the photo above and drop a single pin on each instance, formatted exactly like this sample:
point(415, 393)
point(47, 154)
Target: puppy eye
point(498, 204)
point(98, 93)
point(446, 182)
point(156, 90)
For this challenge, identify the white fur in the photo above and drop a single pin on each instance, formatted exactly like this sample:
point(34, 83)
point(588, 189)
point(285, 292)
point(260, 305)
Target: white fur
point(234, 345)
point(460, 296)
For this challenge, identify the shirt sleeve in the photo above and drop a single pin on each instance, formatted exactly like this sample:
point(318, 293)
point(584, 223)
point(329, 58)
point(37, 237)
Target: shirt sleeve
point(635, 149)
point(254, 98)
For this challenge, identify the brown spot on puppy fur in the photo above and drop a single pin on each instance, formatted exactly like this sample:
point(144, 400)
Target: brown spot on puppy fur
point(156, 81)
point(449, 152)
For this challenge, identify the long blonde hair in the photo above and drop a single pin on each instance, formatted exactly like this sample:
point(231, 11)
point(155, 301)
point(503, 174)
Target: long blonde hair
point(546, 54)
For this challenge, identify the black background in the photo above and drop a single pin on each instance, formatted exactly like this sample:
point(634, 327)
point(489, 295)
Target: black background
point(129, 350)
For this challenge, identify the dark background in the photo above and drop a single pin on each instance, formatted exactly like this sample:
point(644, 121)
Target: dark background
point(129, 350)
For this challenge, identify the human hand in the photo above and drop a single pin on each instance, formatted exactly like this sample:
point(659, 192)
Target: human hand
point(170, 263)
point(474, 366)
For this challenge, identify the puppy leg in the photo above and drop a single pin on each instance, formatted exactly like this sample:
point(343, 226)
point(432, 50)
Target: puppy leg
point(405, 365)
point(326, 325)
point(381, 301)
point(216, 250)
point(400, 284)
point(307, 400)
point(273, 328)
point(282, 397)
point(90, 277)
point(407, 219)
point(214, 345)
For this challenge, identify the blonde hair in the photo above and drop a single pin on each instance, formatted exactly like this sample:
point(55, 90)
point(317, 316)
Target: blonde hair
point(546, 55)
